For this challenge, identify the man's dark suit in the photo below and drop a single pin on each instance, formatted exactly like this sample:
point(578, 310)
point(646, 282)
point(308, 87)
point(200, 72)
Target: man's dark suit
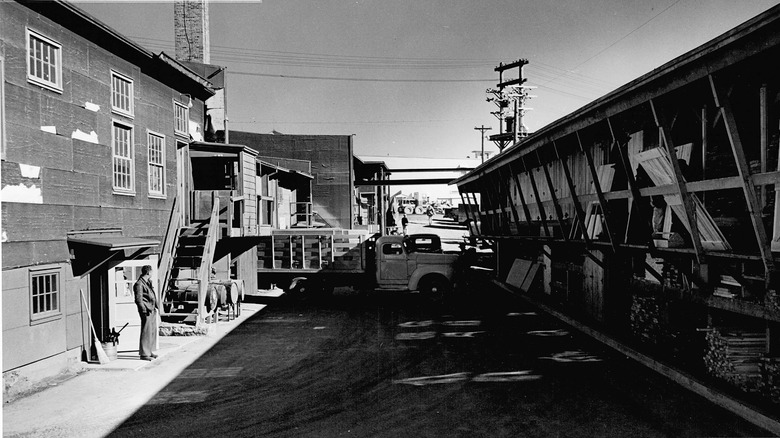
point(146, 301)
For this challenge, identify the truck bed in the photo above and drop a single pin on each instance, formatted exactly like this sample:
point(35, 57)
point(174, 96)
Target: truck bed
point(312, 250)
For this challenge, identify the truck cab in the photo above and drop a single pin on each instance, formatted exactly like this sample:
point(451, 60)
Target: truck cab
point(414, 263)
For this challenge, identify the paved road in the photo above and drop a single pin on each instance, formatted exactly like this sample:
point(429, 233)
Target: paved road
point(389, 366)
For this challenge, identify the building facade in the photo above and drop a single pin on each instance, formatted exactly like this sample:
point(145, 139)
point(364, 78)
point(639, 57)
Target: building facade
point(91, 127)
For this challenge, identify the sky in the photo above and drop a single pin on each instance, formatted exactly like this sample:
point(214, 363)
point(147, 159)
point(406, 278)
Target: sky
point(408, 77)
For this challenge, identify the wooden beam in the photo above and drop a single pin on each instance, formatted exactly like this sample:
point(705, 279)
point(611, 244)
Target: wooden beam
point(682, 191)
point(558, 209)
point(520, 193)
point(478, 222)
point(636, 196)
point(431, 169)
point(405, 182)
point(754, 210)
point(539, 205)
point(509, 198)
point(764, 136)
point(578, 211)
point(599, 191)
point(488, 195)
point(500, 195)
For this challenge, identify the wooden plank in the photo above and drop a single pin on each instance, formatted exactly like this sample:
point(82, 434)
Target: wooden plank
point(518, 272)
point(509, 198)
point(573, 191)
point(539, 204)
point(636, 197)
point(597, 185)
point(558, 210)
point(529, 279)
point(679, 180)
point(754, 210)
point(520, 194)
point(478, 222)
point(763, 119)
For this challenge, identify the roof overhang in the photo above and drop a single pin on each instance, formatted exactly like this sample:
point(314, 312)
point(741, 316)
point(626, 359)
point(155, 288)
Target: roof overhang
point(201, 149)
point(92, 249)
point(68, 15)
point(287, 177)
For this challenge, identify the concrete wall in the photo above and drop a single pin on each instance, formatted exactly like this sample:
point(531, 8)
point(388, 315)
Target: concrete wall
point(331, 166)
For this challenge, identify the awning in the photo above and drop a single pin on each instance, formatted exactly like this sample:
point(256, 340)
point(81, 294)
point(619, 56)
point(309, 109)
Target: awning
point(90, 250)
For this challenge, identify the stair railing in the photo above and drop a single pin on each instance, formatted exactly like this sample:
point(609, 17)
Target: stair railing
point(204, 272)
point(170, 242)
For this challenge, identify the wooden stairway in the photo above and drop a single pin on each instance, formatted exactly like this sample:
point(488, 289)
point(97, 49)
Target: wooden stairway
point(190, 253)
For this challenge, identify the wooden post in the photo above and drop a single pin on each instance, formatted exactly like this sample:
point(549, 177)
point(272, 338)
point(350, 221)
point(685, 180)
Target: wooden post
point(704, 141)
point(764, 138)
point(556, 205)
point(682, 190)
point(599, 191)
point(573, 190)
point(273, 252)
point(751, 199)
point(539, 205)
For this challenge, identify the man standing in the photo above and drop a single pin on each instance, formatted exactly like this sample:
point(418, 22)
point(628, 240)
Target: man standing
point(146, 301)
point(404, 223)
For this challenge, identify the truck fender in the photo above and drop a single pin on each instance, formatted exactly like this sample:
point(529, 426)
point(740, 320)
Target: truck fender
point(420, 272)
point(295, 282)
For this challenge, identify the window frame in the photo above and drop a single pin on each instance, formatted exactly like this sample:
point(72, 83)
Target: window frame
point(53, 313)
point(56, 85)
point(130, 97)
point(131, 159)
point(161, 165)
point(186, 120)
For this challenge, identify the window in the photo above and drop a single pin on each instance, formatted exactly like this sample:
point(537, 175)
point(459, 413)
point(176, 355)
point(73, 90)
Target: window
point(392, 249)
point(44, 61)
point(122, 150)
point(181, 119)
point(121, 94)
point(44, 294)
point(156, 144)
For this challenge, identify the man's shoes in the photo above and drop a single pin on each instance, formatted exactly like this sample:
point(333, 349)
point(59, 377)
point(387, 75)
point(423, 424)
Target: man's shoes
point(154, 356)
point(146, 358)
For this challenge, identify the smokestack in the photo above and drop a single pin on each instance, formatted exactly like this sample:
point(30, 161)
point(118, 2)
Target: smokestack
point(191, 24)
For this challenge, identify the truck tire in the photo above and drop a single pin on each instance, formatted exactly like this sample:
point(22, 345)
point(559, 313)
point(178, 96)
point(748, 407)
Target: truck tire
point(435, 288)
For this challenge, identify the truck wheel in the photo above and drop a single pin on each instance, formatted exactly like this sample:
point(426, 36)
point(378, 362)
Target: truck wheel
point(435, 288)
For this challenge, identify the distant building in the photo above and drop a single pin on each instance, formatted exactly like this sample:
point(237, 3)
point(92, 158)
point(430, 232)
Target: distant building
point(331, 158)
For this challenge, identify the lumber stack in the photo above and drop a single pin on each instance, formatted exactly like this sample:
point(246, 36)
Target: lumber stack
point(735, 355)
point(647, 319)
point(770, 378)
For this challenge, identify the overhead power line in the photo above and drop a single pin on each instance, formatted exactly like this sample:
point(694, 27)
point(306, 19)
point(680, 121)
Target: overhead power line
point(331, 78)
point(618, 40)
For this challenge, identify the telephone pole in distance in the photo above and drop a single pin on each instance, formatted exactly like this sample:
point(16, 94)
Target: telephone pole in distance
point(482, 130)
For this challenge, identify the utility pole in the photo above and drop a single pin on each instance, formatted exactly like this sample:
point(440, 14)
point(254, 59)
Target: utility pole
point(482, 130)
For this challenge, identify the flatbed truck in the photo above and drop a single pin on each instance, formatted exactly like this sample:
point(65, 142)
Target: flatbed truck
point(298, 260)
